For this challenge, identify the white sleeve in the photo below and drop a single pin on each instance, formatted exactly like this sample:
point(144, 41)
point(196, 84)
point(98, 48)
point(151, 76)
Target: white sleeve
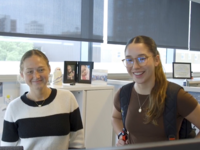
point(76, 126)
point(9, 135)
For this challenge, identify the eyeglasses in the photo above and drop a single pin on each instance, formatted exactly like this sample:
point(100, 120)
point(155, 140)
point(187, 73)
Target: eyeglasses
point(141, 61)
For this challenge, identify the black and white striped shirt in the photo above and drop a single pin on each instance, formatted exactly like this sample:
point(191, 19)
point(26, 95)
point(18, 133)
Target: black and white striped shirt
point(55, 125)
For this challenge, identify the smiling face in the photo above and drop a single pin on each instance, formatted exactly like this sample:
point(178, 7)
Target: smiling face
point(35, 72)
point(84, 71)
point(145, 73)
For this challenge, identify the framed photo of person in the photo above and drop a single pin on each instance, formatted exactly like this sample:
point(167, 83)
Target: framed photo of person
point(85, 72)
point(181, 70)
point(70, 72)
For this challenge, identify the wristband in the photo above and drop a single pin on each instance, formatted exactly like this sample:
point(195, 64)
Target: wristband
point(123, 134)
point(119, 135)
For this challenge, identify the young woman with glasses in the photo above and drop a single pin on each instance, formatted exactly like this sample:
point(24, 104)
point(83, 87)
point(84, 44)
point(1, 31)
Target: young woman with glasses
point(144, 118)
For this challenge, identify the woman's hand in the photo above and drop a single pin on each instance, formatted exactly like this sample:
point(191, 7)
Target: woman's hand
point(121, 142)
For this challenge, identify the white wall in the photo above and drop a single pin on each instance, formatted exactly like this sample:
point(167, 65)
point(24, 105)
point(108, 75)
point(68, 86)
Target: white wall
point(10, 88)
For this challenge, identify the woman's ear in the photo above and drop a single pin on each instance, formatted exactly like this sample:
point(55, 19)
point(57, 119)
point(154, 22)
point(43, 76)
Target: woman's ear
point(49, 69)
point(157, 60)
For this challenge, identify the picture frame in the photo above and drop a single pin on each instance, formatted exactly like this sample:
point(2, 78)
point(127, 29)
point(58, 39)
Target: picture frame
point(181, 70)
point(70, 72)
point(85, 72)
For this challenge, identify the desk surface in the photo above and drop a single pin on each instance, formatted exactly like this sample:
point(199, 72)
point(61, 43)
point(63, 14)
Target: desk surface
point(123, 82)
point(77, 87)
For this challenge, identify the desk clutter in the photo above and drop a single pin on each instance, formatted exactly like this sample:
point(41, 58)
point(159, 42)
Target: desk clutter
point(99, 76)
point(57, 77)
point(83, 72)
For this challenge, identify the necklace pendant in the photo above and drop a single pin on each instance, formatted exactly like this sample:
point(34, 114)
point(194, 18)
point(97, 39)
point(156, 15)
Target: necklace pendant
point(140, 110)
point(39, 105)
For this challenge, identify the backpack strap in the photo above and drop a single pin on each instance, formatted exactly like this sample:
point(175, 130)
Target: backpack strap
point(170, 110)
point(125, 95)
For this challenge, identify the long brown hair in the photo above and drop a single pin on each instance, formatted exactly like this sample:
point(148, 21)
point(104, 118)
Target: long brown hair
point(158, 92)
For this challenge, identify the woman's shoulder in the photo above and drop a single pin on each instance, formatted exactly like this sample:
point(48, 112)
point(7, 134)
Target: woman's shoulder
point(182, 94)
point(67, 94)
point(124, 90)
point(14, 102)
point(13, 106)
point(186, 103)
point(63, 91)
point(66, 97)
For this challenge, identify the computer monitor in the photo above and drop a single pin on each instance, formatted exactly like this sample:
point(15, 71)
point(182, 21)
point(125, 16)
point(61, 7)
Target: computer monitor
point(186, 144)
point(11, 148)
point(181, 70)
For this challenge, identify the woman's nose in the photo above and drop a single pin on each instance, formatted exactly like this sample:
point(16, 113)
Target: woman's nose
point(135, 64)
point(36, 74)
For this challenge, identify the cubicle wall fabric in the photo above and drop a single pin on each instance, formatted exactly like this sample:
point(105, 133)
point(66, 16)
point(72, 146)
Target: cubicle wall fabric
point(166, 22)
point(80, 20)
point(195, 27)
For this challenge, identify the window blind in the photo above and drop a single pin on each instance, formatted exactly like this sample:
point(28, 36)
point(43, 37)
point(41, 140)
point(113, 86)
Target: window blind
point(166, 21)
point(80, 20)
point(195, 27)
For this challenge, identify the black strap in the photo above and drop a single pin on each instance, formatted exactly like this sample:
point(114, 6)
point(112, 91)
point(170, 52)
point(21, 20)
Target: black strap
point(169, 115)
point(125, 95)
point(186, 130)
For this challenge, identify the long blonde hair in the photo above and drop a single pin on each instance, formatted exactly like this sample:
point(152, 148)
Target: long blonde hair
point(158, 92)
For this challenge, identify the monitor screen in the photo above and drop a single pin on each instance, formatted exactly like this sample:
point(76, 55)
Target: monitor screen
point(181, 70)
point(184, 144)
point(11, 148)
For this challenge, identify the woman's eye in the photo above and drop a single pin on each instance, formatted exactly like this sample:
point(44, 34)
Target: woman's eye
point(41, 70)
point(129, 60)
point(30, 72)
point(141, 59)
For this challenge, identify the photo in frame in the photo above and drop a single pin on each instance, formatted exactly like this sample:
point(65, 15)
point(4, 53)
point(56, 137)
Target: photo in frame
point(85, 72)
point(181, 70)
point(70, 72)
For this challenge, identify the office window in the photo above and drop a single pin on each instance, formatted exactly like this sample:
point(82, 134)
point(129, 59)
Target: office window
point(110, 58)
point(189, 56)
point(57, 51)
point(105, 56)
point(79, 20)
